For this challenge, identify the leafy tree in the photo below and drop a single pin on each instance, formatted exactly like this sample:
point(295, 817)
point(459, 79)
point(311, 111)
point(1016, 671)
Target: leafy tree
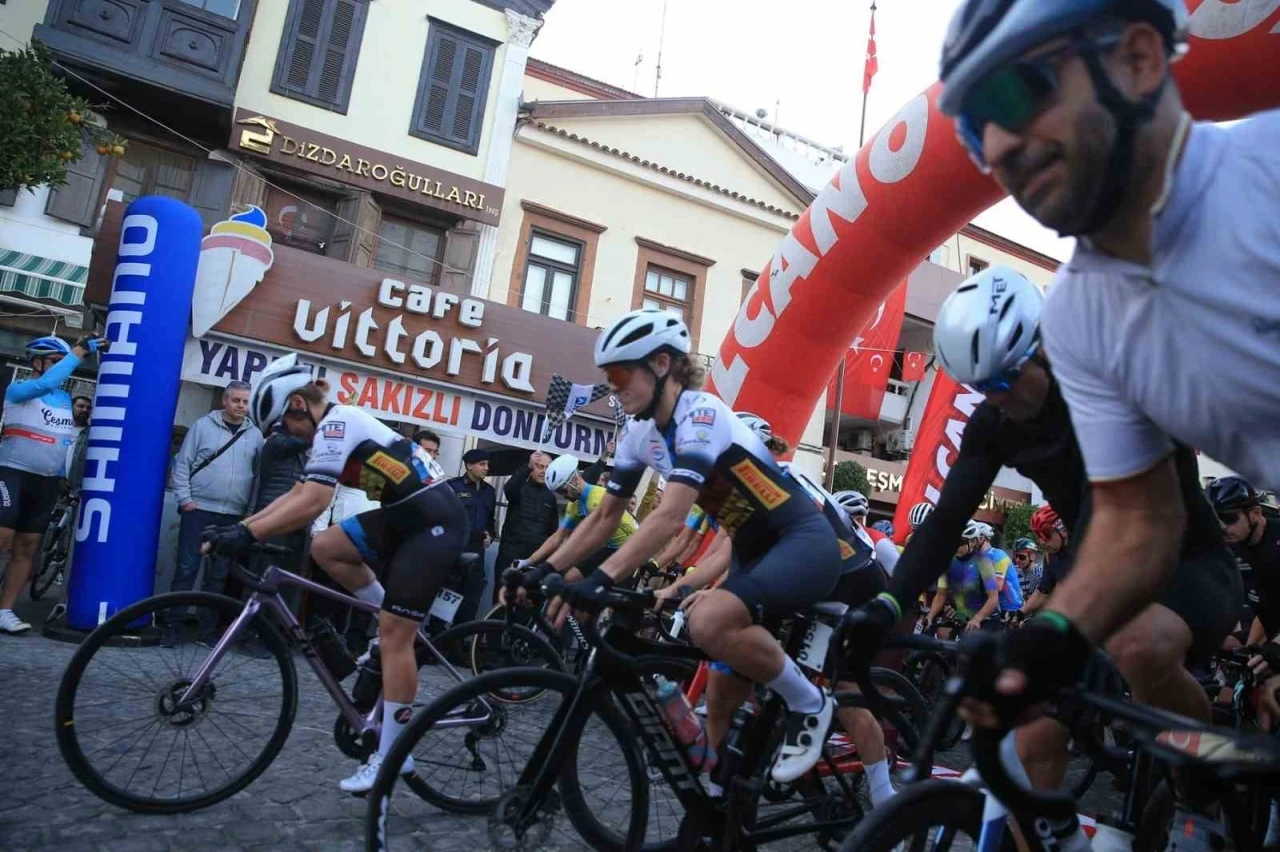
point(851, 476)
point(42, 125)
point(1017, 522)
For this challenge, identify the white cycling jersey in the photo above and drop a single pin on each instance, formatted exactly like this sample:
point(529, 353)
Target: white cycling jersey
point(354, 448)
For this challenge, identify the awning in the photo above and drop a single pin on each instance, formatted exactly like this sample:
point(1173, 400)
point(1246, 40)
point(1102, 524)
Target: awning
point(41, 278)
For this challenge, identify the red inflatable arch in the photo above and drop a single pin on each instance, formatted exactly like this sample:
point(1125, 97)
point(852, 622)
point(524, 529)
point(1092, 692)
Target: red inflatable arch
point(908, 190)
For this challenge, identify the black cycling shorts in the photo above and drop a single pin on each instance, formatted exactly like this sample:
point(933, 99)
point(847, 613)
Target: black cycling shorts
point(799, 570)
point(27, 500)
point(1207, 593)
point(413, 547)
point(858, 587)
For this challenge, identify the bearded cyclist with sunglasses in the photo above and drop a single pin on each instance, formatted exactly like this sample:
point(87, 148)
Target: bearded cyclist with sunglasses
point(785, 554)
point(1255, 540)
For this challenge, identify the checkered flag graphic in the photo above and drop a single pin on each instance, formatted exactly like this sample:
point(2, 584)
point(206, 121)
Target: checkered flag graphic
point(565, 397)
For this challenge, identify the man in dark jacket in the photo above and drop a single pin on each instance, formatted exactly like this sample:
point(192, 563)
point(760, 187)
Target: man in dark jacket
point(280, 464)
point(480, 499)
point(532, 514)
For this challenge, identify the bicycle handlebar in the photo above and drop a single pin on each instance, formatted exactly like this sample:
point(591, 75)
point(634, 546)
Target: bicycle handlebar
point(621, 600)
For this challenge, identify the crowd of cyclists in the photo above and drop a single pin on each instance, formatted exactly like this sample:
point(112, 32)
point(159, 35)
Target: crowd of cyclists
point(1100, 394)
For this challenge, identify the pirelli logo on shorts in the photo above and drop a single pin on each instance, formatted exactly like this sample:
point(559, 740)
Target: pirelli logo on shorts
point(393, 469)
point(769, 493)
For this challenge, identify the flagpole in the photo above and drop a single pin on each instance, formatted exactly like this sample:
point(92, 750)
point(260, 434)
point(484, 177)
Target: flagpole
point(834, 443)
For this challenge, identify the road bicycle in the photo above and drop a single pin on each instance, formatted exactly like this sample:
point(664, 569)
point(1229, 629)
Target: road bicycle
point(53, 555)
point(991, 810)
point(609, 713)
point(199, 722)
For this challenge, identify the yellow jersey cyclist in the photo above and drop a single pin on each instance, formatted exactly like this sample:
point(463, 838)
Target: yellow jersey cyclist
point(785, 553)
point(564, 479)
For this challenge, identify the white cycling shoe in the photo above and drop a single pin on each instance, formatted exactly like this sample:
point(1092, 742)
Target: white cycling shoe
point(802, 742)
point(10, 623)
point(362, 780)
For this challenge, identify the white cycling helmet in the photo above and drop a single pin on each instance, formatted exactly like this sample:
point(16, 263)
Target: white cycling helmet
point(988, 531)
point(638, 334)
point(560, 471)
point(756, 424)
point(972, 531)
point(271, 391)
point(989, 326)
point(918, 513)
point(853, 502)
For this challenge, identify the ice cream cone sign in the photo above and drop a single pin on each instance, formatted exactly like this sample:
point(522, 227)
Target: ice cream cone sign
point(233, 260)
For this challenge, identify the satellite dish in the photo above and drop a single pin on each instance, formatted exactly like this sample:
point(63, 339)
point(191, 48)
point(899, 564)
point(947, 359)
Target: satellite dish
point(761, 113)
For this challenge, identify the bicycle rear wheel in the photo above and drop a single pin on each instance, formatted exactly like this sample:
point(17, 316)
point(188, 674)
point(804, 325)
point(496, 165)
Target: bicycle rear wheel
point(52, 555)
point(470, 751)
point(925, 816)
point(118, 717)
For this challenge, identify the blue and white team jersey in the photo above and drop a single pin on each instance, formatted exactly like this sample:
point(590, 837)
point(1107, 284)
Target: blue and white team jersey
point(1187, 346)
point(39, 428)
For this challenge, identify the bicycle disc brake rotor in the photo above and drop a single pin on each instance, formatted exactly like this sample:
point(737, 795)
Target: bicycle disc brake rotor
point(177, 715)
point(348, 740)
point(506, 833)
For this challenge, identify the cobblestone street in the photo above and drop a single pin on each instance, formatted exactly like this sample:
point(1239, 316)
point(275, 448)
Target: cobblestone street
point(294, 805)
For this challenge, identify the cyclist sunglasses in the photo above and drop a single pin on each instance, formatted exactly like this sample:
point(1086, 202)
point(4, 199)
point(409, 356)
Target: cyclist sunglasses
point(1001, 382)
point(1014, 95)
point(619, 375)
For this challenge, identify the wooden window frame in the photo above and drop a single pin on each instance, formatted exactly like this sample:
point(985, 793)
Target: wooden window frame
point(564, 226)
point(279, 75)
point(749, 278)
point(690, 265)
point(970, 260)
point(437, 29)
point(400, 214)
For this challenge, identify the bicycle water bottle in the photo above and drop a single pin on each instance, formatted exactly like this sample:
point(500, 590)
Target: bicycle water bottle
point(368, 685)
point(685, 725)
point(331, 649)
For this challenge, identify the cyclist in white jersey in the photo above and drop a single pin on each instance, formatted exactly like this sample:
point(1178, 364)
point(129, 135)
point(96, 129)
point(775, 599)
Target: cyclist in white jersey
point(1072, 107)
point(39, 430)
point(785, 553)
point(412, 540)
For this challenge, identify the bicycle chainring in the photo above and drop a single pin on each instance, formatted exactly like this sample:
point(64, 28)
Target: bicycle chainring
point(505, 834)
point(348, 740)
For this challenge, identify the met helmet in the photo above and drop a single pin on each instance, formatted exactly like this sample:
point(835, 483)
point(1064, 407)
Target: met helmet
point(560, 471)
point(989, 326)
point(756, 424)
point(853, 502)
point(1231, 493)
point(985, 35)
point(918, 513)
point(271, 391)
point(638, 334)
point(44, 346)
point(1045, 522)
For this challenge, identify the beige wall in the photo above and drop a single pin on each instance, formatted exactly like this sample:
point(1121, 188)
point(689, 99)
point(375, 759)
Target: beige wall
point(19, 18)
point(541, 90)
point(386, 80)
point(687, 143)
point(958, 249)
point(630, 209)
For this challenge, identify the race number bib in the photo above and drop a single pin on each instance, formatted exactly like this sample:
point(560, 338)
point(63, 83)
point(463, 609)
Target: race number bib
point(445, 606)
point(814, 652)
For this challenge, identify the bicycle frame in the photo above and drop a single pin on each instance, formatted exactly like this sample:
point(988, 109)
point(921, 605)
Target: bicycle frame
point(267, 596)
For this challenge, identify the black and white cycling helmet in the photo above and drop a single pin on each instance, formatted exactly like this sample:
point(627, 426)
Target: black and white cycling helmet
point(853, 502)
point(560, 472)
point(1231, 494)
point(918, 513)
point(271, 391)
point(988, 327)
point(756, 424)
point(972, 531)
point(638, 334)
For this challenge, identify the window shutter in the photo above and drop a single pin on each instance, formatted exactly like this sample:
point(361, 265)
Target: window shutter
point(318, 54)
point(247, 188)
point(356, 244)
point(460, 246)
point(211, 189)
point(452, 88)
point(77, 200)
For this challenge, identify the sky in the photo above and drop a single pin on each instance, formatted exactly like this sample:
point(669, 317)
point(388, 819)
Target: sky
point(801, 60)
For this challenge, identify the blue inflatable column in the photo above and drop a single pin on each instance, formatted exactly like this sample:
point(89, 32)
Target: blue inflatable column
point(127, 459)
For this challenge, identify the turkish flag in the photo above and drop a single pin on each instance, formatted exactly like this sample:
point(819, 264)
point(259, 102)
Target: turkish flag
point(872, 65)
point(913, 364)
point(869, 359)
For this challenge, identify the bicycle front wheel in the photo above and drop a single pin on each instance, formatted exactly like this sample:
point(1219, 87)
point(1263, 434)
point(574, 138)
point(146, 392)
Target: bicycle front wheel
point(471, 751)
point(126, 735)
point(926, 816)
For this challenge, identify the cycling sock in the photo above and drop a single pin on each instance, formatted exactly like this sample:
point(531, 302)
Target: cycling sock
point(801, 695)
point(372, 593)
point(394, 717)
point(878, 780)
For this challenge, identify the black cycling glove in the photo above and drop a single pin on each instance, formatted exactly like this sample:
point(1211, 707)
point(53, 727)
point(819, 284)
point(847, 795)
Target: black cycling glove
point(868, 626)
point(233, 540)
point(94, 343)
point(590, 590)
point(1048, 649)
